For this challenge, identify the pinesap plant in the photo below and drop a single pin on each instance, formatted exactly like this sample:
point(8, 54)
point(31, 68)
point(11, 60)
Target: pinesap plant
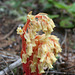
point(38, 51)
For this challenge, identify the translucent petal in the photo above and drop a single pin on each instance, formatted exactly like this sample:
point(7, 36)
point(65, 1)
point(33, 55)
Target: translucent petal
point(24, 58)
point(44, 47)
point(34, 59)
point(33, 68)
point(44, 26)
point(27, 37)
point(29, 49)
point(33, 43)
point(40, 67)
point(42, 58)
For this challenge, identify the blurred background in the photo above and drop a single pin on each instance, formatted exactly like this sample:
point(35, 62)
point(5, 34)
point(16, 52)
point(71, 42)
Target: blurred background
point(13, 14)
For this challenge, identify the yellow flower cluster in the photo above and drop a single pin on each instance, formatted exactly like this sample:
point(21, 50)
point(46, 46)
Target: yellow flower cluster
point(43, 48)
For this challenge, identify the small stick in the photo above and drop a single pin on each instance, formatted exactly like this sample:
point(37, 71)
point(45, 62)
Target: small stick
point(47, 71)
point(55, 72)
point(68, 68)
point(66, 42)
point(12, 66)
point(64, 39)
point(8, 61)
point(8, 66)
point(4, 56)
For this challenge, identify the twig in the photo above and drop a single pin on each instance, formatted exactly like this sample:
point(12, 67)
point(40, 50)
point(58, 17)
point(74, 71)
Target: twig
point(47, 71)
point(7, 56)
point(68, 68)
point(8, 61)
point(55, 72)
point(12, 66)
point(6, 53)
point(8, 66)
point(2, 38)
point(64, 39)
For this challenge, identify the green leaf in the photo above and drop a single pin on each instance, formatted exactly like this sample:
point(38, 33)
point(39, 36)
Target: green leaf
point(13, 3)
point(51, 1)
point(72, 8)
point(47, 5)
point(53, 16)
point(66, 23)
point(41, 1)
point(28, 4)
point(61, 5)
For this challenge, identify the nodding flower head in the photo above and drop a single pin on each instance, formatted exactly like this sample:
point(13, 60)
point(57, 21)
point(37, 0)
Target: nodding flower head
point(38, 51)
